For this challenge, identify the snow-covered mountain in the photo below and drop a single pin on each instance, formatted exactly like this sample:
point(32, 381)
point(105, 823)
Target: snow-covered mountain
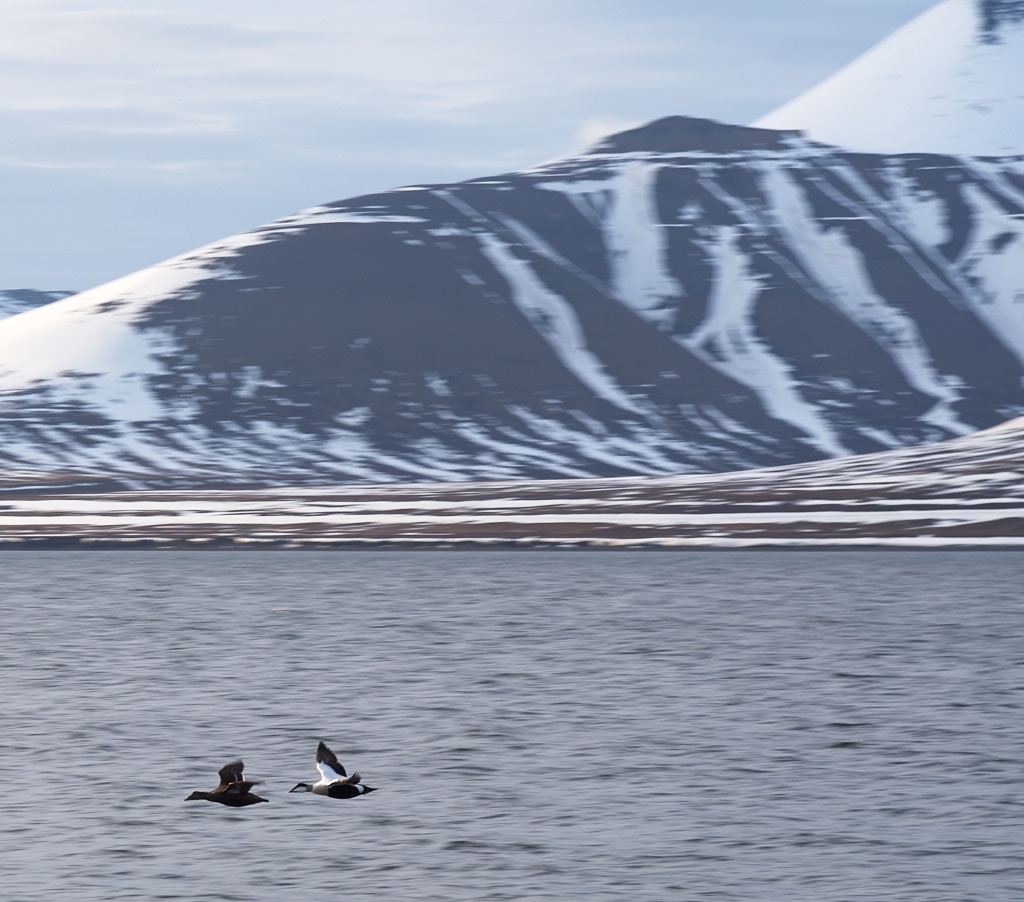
point(685, 297)
point(951, 81)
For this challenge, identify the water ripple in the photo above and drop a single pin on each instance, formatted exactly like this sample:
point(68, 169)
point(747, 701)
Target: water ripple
point(542, 726)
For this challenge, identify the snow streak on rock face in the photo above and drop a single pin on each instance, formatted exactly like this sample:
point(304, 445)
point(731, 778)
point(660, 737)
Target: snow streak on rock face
point(948, 82)
point(687, 297)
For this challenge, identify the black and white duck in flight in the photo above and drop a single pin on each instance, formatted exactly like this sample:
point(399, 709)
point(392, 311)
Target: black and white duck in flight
point(233, 790)
point(333, 782)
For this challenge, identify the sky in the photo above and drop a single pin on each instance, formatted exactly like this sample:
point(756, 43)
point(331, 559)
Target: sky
point(135, 130)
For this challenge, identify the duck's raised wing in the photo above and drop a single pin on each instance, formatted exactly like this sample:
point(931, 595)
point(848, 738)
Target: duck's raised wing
point(231, 773)
point(328, 764)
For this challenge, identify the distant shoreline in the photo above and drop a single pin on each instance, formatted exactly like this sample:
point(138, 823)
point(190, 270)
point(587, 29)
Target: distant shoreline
point(218, 544)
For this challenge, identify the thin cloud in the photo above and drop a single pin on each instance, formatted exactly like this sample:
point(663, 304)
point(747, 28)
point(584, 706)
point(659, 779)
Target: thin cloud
point(592, 131)
point(257, 108)
point(122, 169)
point(433, 60)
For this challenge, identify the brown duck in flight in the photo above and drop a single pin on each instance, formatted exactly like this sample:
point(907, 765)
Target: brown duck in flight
point(233, 790)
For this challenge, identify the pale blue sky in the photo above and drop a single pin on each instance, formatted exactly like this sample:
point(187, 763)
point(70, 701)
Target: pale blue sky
point(134, 130)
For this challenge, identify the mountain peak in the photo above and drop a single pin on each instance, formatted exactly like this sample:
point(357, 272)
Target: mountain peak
point(950, 81)
point(680, 134)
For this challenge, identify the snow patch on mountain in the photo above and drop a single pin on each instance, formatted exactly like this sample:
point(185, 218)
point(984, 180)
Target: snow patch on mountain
point(834, 264)
point(637, 244)
point(554, 319)
point(88, 348)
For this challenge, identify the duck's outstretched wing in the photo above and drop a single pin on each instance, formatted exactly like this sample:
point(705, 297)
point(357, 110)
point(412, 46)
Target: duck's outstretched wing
point(231, 773)
point(328, 764)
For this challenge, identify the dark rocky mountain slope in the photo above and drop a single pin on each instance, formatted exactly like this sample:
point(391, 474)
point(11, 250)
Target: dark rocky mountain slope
point(686, 297)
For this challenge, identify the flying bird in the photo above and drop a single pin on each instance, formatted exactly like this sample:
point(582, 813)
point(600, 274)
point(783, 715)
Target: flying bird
point(333, 782)
point(233, 790)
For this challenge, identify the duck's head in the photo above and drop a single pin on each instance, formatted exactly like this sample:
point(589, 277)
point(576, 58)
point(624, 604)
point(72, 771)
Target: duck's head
point(198, 796)
point(302, 787)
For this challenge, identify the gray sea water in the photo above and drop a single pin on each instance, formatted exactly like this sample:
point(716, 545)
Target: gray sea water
point(541, 725)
